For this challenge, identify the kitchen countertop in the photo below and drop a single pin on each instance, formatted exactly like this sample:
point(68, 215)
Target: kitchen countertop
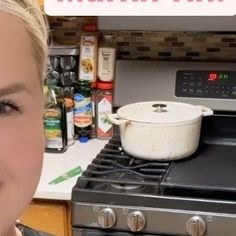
point(54, 165)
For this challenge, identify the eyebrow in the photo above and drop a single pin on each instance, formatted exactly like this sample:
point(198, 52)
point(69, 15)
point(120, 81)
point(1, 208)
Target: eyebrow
point(14, 88)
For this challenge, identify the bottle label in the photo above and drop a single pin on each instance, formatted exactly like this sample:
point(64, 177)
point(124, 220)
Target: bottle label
point(70, 125)
point(104, 125)
point(93, 104)
point(52, 129)
point(82, 111)
point(88, 51)
point(106, 63)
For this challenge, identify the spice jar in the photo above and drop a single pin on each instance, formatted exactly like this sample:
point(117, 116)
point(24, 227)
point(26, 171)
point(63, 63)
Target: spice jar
point(68, 78)
point(104, 106)
point(68, 63)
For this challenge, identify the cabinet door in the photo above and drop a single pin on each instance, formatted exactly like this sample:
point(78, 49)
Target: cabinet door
point(50, 217)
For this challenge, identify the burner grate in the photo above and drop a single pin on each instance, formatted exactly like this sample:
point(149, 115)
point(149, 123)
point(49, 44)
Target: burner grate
point(113, 170)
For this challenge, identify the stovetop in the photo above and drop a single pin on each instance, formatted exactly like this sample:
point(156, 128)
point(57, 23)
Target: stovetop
point(115, 171)
point(209, 173)
point(113, 177)
point(204, 181)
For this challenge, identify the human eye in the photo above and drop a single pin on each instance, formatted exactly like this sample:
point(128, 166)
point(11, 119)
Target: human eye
point(8, 106)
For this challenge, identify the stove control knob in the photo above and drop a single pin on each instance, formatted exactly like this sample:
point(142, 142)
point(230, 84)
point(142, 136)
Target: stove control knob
point(196, 226)
point(136, 221)
point(106, 218)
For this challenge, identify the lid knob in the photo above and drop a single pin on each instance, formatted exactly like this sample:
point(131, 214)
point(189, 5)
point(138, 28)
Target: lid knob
point(159, 107)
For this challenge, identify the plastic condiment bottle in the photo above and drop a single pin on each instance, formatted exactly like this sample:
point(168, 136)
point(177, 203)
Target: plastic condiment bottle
point(106, 59)
point(104, 107)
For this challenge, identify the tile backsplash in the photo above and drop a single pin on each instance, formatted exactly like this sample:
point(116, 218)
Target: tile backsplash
point(67, 30)
point(152, 45)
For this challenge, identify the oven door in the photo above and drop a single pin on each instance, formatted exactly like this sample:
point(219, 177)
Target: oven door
point(96, 232)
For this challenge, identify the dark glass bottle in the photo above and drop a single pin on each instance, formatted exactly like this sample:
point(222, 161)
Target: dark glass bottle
point(68, 93)
point(82, 110)
point(93, 133)
point(55, 122)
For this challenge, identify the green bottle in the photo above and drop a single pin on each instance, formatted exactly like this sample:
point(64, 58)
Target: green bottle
point(55, 129)
point(82, 110)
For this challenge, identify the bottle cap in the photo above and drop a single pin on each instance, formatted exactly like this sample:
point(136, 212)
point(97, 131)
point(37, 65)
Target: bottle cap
point(93, 85)
point(90, 26)
point(69, 102)
point(84, 82)
point(83, 139)
point(105, 85)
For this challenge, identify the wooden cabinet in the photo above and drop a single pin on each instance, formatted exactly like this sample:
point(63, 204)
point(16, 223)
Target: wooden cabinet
point(48, 216)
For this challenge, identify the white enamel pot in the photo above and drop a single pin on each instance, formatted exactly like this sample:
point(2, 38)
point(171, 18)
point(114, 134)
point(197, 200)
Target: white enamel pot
point(160, 130)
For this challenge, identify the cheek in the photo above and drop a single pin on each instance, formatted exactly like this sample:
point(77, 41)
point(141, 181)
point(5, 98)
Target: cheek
point(21, 152)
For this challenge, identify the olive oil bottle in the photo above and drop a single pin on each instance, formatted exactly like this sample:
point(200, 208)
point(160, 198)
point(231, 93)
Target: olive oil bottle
point(55, 129)
point(82, 110)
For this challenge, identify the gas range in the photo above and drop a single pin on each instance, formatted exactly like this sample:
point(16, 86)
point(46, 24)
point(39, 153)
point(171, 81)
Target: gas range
point(121, 195)
point(195, 196)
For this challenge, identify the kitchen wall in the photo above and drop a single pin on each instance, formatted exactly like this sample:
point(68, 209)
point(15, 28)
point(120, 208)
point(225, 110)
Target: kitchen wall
point(67, 30)
point(152, 45)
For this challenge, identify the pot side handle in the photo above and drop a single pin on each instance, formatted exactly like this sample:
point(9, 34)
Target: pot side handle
point(113, 118)
point(206, 111)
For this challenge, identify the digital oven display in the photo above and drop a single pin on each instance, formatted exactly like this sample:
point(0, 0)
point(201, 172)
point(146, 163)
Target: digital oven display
point(218, 76)
point(206, 84)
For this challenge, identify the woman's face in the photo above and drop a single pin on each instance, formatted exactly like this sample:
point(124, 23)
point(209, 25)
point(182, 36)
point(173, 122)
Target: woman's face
point(21, 111)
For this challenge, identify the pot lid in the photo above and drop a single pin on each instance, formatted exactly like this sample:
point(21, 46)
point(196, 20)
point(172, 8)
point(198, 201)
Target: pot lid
point(160, 112)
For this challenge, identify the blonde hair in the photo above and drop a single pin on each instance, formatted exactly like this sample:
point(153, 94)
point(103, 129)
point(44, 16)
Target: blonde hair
point(30, 14)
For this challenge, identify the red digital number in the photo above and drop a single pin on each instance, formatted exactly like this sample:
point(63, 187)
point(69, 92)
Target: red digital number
point(212, 77)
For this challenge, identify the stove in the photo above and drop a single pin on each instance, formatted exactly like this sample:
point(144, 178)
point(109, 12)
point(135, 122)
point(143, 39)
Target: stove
point(121, 195)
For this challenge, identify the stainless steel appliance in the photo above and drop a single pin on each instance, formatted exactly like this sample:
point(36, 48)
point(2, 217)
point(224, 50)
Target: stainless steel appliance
point(122, 195)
